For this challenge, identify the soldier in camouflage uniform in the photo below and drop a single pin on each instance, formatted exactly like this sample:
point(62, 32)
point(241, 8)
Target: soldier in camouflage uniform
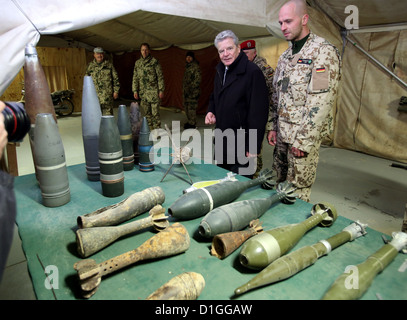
point(106, 80)
point(306, 82)
point(148, 85)
point(191, 89)
point(249, 48)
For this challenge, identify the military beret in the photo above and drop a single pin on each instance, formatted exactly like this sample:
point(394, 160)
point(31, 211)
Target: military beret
point(98, 50)
point(248, 44)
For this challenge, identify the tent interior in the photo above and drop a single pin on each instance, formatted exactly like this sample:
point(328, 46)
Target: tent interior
point(370, 34)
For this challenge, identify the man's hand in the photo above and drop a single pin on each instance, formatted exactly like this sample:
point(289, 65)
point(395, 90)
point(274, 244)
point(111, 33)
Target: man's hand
point(210, 118)
point(272, 138)
point(297, 152)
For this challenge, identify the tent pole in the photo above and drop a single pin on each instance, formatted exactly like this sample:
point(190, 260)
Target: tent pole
point(377, 62)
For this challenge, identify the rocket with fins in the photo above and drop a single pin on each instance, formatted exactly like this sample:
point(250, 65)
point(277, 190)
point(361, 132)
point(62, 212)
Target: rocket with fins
point(237, 215)
point(199, 202)
point(367, 270)
point(298, 260)
point(259, 251)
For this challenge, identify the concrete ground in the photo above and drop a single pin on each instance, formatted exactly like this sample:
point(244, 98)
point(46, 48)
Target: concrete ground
point(359, 186)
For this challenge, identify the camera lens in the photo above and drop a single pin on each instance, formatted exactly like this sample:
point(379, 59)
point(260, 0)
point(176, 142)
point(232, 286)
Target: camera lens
point(16, 121)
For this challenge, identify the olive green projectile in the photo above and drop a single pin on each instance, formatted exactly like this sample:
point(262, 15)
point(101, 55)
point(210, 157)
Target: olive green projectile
point(343, 289)
point(296, 261)
point(259, 251)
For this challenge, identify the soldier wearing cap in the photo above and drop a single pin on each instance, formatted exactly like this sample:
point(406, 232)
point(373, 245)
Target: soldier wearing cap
point(249, 48)
point(106, 80)
point(191, 89)
point(148, 86)
point(306, 83)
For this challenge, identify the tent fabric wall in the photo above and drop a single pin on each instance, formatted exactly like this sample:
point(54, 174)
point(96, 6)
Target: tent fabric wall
point(367, 118)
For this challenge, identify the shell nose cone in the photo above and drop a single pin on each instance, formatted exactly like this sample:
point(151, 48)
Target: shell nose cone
point(253, 255)
point(189, 206)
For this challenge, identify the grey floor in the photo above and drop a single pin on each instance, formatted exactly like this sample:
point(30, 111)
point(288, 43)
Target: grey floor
point(359, 186)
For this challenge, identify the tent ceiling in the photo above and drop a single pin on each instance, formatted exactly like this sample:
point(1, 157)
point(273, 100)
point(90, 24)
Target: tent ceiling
point(126, 33)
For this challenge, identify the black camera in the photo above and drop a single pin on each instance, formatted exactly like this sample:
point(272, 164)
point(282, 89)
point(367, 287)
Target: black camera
point(16, 121)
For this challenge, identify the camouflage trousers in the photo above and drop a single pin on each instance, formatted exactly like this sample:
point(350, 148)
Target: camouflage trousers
point(300, 171)
point(107, 109)
point(190, 111)
point(151, 110)
point(259, 164)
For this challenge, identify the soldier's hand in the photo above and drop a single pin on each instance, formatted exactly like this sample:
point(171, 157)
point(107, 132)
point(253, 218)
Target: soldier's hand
point(161, 95)
point(136, 96)
point(297, 152)
point(115, 95)
point(272, 138)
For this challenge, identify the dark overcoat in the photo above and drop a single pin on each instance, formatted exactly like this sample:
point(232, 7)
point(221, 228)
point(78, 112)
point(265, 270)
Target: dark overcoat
point(242, 101)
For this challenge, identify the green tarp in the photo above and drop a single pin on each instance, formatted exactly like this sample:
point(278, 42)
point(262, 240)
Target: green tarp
point(48, 239)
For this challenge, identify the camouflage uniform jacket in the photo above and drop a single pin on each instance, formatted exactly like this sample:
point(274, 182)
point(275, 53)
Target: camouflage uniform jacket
point(305, 88)
point(192, 81)
point(105, 78)
point(148, 79)
point(268, 73)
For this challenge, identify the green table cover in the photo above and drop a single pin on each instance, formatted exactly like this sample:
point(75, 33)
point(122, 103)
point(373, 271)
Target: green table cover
point(48, 240)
